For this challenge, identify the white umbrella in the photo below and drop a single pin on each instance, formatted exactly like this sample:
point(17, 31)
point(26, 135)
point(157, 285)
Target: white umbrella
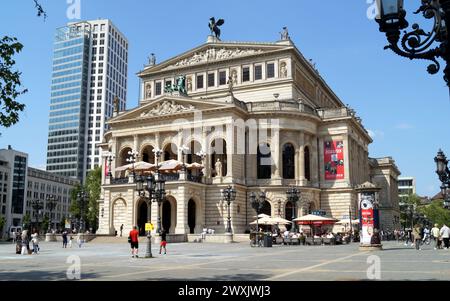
point(194, 165)
point(141, 165)
point(281, 221)
point(170, 165)
point(261, 215)
point(263, 221)
point(347, 221)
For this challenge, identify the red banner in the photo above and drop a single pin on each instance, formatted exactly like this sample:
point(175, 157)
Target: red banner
point(367, 217)
point(334, 160)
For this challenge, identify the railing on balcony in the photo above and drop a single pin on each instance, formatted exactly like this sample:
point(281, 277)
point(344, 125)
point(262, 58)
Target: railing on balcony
point(195, 179)
point(280, 105)
point(171, 177)
point(118, 181)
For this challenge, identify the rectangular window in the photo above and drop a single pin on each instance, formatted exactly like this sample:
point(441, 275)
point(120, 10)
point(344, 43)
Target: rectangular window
point(258, 72)
point(222, 78)
point(200, 83)
point(245, 74)
point(211, 80)
point(270, 70)
point(158, 90)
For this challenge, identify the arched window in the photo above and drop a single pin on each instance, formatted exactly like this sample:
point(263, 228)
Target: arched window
point(264, 162)
point(288, 161)
point(219, 152)
point(194, 148)
point(170, 152)
point(307, 164)
point(124, 156)
point(148, 155)
point(266, 209)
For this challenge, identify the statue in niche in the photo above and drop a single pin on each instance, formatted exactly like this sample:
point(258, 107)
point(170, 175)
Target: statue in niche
point(148, 90)
point(218, 167)
point(189, 84)
point(283, 70)
point(234, 77)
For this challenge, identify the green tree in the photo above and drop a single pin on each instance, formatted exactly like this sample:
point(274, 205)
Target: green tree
point(74, 208)
point(44, 224)
point(436, 213)
point(93, 189)
point(412, 202)
point(62, 223)
point(10, 82)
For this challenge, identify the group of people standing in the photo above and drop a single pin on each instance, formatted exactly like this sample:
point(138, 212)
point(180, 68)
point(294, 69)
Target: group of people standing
point(418, 235)
point(23, 240)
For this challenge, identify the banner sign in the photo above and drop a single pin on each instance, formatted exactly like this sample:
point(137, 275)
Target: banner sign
point(334, 160)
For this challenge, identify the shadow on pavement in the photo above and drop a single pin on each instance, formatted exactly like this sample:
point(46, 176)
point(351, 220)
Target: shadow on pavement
point(236, 277)
point(40, 276)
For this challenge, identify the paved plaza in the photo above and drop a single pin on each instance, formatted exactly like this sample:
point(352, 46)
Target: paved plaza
point(225, 262)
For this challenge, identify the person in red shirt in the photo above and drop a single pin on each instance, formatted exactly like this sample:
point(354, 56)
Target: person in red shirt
point(133, 239)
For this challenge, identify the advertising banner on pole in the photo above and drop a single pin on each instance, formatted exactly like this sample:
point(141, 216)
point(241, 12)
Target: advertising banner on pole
point(334, 160)
point(368, 216)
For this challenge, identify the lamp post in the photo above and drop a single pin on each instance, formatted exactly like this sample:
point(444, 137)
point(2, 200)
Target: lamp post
point(258, 205)
point(51, 205)
point(228, 195)
point(418, 43)
point(82, 195)
point(443, 172)
point(184, 151)
point(133, 155)
point(202, 155)
point(160, 191)
point(37, 206)
point(142, 189)
point(110, 158)
point(293, 196)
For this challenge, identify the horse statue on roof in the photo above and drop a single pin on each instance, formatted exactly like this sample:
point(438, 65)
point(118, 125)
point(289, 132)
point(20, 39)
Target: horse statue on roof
point(180, 86)
point(214, 26)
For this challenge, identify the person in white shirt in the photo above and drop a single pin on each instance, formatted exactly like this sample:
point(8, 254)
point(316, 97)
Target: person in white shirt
point(286, 234)
point(436, 234)
point(445, 234)
point(35, 241)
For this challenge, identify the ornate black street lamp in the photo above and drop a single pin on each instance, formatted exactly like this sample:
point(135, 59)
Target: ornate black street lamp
point(293, 196)
point(417, 43)
point(228, 195)
point(37, 206)
point(160, 190)
point(82, 196)
point(142, 188)
point(110, 158)
point(258, 205)
point(133, 155)
point(443, 172)
point(51, 205)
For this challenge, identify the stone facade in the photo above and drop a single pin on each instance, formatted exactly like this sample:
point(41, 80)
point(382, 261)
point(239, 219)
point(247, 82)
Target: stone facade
point(268, 128)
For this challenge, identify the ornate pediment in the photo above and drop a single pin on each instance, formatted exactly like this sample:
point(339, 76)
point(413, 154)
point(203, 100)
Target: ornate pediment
point(167, 107)
point(214, 54)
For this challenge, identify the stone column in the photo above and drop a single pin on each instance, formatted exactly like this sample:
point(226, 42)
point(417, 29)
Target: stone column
point(346, 160)
point(230, 149)
point(136, 144)
point(314, 154)
point(182, 226)
point(206, 149)
point(275, 151)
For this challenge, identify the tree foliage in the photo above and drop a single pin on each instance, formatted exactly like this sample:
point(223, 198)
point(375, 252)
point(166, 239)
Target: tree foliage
point(9, 82)
point(436, 213)
point(92, 187)
point(26, 220)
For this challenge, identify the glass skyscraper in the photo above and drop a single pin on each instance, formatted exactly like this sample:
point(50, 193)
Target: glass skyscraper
point(90, 65)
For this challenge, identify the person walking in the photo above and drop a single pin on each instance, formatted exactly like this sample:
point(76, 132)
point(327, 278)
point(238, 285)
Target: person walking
point(35, 241)
point(70, 241)
point(134, 242)
point(417, 236)
point(436, 235)
point(80, 239)
point(445, 234)
point(25, 243)
point(163, 242)
point(64, 237)
point(121, 230)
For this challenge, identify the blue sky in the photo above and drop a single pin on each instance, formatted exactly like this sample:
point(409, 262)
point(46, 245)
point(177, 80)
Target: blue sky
point(406, 109)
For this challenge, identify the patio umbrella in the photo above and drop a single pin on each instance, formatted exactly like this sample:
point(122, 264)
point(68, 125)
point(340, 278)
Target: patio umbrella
point(194, 165)
point(261, 215)
point(171, 165)
point(347, 221)
point(312, 219)
point(264, 221)
point(281, 221)
point(138, 166)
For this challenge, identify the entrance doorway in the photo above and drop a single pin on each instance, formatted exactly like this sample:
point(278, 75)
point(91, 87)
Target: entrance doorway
point(191, 216)
point(166, 216)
